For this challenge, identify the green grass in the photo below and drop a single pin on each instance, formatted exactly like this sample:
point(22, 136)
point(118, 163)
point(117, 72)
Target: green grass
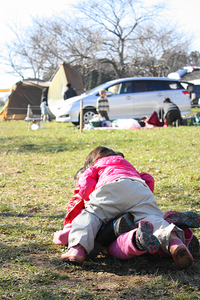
point(36, 182)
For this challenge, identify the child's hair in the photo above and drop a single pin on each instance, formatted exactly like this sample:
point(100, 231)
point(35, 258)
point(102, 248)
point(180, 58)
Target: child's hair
point(166, 99)
point(102, 92)
point(97, 153)
point(77, 176)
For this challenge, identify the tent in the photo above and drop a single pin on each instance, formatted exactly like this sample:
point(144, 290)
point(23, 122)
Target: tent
point(64, 74)
point(29, 92)
point(23, 93)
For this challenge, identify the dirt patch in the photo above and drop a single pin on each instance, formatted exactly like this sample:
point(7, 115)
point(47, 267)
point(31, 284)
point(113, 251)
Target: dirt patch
point(144, 277)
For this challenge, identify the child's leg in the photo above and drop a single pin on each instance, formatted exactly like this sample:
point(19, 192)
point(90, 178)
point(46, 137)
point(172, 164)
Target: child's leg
point(179, 252)
point(81, 237)
point(84, 230)
point(123, 247)
point(108, 233)
point(191, 243)
point(135, 242)
point(184, 221)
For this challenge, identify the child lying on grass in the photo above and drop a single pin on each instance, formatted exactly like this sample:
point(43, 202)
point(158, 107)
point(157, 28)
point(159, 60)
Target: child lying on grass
point(139, 240)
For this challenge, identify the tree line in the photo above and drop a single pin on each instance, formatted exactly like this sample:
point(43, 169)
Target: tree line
point(105, 40)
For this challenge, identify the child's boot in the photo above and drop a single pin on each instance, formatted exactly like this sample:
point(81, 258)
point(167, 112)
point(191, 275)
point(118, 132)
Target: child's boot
point(183, 220)
point(144, 239)
point(179, 252)
point(75, 254)
point(109, 232)
point(124, 247)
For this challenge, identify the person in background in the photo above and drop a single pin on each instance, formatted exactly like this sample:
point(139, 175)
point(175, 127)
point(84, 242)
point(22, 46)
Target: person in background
point(44, 104)
point(70, 92)
point(44, 112)
point(102, 106)
point(169, 111)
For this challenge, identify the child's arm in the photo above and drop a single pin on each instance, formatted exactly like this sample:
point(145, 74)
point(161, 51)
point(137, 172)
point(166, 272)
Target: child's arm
point(76, 204)
point(149, 180)
point(87, 182)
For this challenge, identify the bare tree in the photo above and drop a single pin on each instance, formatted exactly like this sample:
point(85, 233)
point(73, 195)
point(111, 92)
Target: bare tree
point(37, 50)
point(108, 39)
point(118, 22)
point(159, 50)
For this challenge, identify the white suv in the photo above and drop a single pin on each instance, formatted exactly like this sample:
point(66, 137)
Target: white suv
point(128, 98)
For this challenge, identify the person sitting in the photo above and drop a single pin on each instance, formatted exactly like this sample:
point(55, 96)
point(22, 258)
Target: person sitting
point(169, 111)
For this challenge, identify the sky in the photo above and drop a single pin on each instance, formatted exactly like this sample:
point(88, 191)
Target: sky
point(181, 12)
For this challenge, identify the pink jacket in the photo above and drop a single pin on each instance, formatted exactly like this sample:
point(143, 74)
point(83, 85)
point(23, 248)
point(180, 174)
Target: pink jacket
point(106, 170)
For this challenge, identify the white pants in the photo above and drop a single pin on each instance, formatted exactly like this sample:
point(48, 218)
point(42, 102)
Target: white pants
point(114, 199)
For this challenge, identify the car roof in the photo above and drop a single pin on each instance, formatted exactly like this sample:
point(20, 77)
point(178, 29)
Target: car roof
point(140, 78)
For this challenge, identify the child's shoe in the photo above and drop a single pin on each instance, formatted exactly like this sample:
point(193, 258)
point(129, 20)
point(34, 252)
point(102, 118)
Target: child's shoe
point(123, 224)
point(75, 254)
point(184, 220)
point(145, 240)
point(179, 252)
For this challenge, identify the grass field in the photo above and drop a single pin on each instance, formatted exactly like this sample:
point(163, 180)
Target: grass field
point(36, 182)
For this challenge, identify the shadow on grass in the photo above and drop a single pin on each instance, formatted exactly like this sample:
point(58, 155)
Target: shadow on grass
point(144, 265)
point(26, 215)
point(17, 145)
point(45, 272)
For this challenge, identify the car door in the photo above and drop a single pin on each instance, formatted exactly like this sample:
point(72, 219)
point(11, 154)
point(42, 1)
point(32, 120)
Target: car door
point(148, 95)
point(121, 101)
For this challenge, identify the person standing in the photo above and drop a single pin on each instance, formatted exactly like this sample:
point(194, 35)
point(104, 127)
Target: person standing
point(70, 92)
point(102, 105)
point(44, 112)
point(169, 111)
point(44, 105)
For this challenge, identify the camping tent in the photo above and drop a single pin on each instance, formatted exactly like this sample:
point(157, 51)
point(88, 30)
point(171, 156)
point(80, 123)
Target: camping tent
point(23, 93)
point(63, 75)
point(29, 92)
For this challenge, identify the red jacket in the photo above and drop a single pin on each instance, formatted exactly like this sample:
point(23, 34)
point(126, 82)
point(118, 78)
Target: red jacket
point(105, 170)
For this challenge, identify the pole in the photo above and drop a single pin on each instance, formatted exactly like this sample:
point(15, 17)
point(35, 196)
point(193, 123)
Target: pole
point(81, 115)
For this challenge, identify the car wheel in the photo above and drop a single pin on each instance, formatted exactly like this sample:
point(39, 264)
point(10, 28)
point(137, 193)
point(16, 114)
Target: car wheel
point(88, 114)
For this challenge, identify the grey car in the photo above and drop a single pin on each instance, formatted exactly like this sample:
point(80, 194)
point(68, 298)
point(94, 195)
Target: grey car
point(128, 98)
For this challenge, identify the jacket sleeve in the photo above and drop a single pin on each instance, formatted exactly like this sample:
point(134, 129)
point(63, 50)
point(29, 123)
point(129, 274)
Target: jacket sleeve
point(149, 180)
point(76, 204)
point(97, 104)
point(87, 182)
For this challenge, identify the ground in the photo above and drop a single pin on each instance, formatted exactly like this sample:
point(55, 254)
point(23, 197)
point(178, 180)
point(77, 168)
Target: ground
point(144, 277)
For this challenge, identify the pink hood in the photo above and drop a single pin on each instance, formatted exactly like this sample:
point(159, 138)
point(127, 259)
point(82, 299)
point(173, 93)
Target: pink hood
point(105, 170)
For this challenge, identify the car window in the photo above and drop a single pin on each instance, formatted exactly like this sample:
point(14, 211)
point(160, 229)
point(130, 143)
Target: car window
point(197, 88)
point(115, 89)
point(147, 86)
point(121, 88)
point(140, 86)
point(172, 85)
point(155, 85)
